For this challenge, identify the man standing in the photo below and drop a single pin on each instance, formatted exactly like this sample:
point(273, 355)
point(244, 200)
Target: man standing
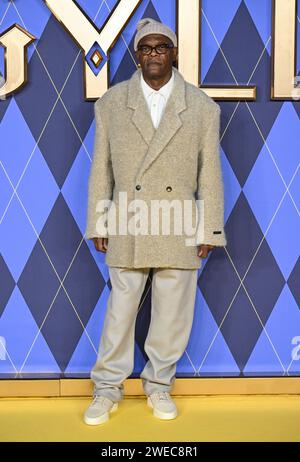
point(157, 139)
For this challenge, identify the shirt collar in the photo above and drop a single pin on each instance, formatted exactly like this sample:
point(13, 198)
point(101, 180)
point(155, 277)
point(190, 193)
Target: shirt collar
point(164, 90)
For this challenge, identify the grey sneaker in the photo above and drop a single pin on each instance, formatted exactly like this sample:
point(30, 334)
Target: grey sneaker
point(162, 404)
point(98, 411)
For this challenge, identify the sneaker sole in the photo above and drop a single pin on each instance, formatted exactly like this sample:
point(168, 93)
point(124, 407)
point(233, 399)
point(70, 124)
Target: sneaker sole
point(160, 414)
point(102, 419)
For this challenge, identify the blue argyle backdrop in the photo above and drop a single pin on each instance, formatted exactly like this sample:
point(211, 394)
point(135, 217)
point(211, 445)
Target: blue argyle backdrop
point(55, 286)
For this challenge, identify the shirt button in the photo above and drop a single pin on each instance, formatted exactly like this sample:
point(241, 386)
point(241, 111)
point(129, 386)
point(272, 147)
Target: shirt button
point(138, 187)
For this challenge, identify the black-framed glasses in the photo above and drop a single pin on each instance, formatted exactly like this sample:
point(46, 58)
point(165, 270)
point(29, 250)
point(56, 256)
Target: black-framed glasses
point(160, 49)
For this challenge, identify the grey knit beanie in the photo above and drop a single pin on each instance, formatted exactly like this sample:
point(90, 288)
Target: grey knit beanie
point(148, 26)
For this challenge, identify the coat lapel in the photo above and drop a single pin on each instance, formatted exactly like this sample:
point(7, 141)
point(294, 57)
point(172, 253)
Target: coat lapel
point(170, 123)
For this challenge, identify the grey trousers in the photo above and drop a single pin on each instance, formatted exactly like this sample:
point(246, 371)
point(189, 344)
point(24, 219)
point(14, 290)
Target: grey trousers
point(173, 293)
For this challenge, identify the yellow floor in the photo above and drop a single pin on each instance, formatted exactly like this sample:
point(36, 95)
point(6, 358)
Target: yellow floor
point(201, 418)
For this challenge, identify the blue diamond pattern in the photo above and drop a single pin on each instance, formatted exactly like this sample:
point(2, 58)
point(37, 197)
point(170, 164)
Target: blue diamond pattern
point(275, 347)
point(17, 238)
point(283, 141)
point(7, 284)
point(36, 176)
point(98, 12)
point(55, 284)
point(17, 321)
point(17, 143)
point(90, 54)
point(264, 197)
point(76, 184)
point(213, 30)
point(209, 343)
point(85, 354)
point(286, 223)
point(293, 281)
point(259, 11)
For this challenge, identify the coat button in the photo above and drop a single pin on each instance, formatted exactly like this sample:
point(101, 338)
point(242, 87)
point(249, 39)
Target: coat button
point(169, 188)
point(138, 187)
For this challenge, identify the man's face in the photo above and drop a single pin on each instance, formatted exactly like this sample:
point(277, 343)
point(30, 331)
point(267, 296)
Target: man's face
point(156, 65)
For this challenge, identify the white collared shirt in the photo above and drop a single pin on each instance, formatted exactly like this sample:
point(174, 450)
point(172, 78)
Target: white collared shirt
point(157, 99)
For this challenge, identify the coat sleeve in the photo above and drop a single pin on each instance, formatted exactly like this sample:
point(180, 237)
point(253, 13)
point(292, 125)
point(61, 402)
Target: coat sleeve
point(101, 179)
point(210, 185)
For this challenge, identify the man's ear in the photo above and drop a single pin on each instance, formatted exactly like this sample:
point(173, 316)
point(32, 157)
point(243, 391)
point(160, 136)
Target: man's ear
point(175, 55)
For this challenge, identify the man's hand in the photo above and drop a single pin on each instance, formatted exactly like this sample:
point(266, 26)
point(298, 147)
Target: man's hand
point(204, 249)
point(100, 243)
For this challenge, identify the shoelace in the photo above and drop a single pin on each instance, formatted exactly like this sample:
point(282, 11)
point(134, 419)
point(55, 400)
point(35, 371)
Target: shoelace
point(163, 395)
point(98, 399)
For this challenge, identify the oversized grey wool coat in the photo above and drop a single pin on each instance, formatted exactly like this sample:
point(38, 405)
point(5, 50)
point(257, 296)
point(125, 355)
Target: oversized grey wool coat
point(179, 160)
